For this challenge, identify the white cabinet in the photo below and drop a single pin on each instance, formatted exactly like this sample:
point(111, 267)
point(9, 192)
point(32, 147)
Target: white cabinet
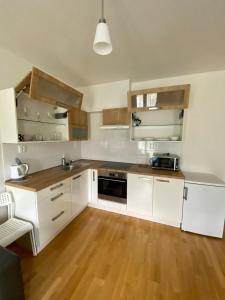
point(139, 194)
point(8, 123)
point(79, 192)
point(168, 200)
point(93, 186)
point(49, 209)
point(53, 207)
point(54, 212)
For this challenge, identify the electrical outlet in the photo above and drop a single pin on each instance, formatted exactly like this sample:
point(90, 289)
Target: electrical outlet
point(22, 148)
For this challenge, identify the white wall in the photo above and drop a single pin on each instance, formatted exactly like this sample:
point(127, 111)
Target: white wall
point(204, 134)
point(108, 95)
point(1, 170)
point(13, 69)
point(115, 145)
point(41, 155)
point(204, 141)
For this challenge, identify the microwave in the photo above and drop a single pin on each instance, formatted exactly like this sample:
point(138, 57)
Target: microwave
point(165, 161)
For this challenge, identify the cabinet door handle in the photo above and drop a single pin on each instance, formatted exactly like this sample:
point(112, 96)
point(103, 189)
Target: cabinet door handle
point(163, 180)
point(74, 178)
point(145, 179)
point(185, 193)
point(56, 187)
point(58, 216)
point(56, 197)
point(93, 175)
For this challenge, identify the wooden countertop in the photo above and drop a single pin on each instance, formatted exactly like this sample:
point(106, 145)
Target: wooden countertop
point(42, 179)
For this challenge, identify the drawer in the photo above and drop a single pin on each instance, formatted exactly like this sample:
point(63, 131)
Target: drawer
point(49, 228)
point(54, 189)
point(55, 201)
point(53, 217)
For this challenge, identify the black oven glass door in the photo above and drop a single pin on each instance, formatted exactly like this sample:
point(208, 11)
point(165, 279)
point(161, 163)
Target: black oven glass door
point(112, 189)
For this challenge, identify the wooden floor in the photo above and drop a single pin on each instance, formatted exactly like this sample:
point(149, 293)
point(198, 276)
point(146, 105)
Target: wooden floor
point(102, 255)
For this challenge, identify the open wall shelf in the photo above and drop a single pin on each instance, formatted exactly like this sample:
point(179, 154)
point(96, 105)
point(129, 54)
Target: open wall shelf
point(158, 126)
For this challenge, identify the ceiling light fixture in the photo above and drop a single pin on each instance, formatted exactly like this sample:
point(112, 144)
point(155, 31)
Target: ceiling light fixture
point(102, 43)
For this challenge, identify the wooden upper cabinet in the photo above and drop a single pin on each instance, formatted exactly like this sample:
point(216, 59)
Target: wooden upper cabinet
point(78, 124)
point(78, 117)
point(43, 87)
point(170, 97)
point(116, 116)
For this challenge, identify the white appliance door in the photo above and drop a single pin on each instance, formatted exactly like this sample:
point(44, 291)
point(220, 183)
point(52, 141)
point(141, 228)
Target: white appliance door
point(204, 209)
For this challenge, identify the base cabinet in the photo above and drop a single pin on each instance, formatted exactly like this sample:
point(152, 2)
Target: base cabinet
point(52, 208)
point(158, 199)
point(79, 192)
point(168, 200)
point(93, 186)
point(139, 194)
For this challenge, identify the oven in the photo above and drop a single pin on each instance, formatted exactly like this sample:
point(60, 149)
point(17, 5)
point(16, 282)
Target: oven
point(112, 186)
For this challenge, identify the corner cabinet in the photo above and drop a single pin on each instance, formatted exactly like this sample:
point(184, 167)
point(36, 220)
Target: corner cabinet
point(23, 119)
point(170, 97)
point(42, 108)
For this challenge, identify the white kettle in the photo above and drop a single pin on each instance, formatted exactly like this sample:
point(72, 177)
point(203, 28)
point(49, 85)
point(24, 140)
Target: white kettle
point(19, 171)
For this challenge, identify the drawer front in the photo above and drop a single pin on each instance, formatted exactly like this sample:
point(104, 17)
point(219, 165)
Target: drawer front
point(54, 189)
point(53, 213)
point(49, 227)
point(54, 201)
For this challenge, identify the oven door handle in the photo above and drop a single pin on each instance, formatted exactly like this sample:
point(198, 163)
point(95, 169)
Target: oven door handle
point(110, 179)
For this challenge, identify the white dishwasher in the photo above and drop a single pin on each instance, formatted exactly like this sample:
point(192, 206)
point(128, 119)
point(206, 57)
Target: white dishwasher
point(204, 204)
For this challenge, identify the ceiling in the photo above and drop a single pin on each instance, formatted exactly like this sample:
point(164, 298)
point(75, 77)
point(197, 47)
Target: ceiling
point(151, 38)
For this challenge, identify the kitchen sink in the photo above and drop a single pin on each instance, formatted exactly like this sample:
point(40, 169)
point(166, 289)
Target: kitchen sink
point(77, 164)
point(80, 164)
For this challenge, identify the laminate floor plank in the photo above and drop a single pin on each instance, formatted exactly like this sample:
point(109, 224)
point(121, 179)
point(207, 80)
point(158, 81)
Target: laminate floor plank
point(106, 256)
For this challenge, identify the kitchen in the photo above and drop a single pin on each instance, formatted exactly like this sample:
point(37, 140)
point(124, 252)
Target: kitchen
point(109, 147)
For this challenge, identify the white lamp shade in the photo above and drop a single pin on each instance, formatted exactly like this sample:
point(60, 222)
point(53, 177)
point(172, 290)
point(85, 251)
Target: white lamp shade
point(102, 43)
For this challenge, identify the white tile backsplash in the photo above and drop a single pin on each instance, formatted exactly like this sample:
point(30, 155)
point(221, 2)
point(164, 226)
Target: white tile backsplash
point(126, 151)
point(111, 145)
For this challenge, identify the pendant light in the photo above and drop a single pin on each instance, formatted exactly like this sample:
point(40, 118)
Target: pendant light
point(102, 43)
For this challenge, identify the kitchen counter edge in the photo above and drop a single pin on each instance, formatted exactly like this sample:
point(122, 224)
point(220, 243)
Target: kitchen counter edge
point(40, 180)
